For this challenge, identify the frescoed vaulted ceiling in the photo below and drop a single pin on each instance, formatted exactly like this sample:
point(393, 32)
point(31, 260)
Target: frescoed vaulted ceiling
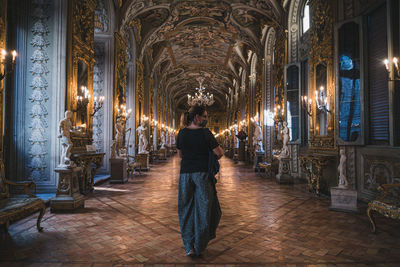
point(185, 39)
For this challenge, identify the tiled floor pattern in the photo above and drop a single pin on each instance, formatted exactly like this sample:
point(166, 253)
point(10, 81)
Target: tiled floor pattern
point(262, 223)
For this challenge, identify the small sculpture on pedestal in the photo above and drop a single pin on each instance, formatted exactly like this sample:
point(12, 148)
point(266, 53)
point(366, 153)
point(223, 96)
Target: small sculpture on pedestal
point(118, 144)
point(285, 134)
point(343, 198)
point(65, 129)
point(162, 140)
point(142, 139)
point(284, 175)
point(343, 183)
point(257, 138)
point(235, 138)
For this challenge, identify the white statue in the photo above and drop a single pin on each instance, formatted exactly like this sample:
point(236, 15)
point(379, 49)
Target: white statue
point(257, 137)
point(173, 137)
point(343, 183)
point(142, 139)
point(162, 140)
point(234, 137)
point(65, 129)
point(118, 144)
point(285, 134)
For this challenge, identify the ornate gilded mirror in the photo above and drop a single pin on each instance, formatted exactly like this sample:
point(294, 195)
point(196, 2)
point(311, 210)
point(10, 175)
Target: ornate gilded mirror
point(80, 63)
point(321, 99)
point(82, 92)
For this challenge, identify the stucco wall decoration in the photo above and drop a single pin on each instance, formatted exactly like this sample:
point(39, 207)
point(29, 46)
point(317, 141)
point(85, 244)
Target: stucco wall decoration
point(98, 90)
point(39, 84)
point(101, 17)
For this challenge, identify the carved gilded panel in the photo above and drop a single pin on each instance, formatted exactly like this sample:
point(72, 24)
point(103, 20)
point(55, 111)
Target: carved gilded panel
point(139, 90)
point(120, 64)
point(80, 60)
point(3, 20)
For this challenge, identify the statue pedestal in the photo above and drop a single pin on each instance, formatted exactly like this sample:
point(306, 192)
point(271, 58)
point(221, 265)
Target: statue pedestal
point(258, 157)
point(118, 171)
point(143, 159)
point(284, 177)
point(242, 151)
point(162, 154)
point(68, 196)
point(343, 199)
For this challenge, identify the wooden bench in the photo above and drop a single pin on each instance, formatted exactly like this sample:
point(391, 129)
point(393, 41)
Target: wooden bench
point(387, 206)
point(14, 209)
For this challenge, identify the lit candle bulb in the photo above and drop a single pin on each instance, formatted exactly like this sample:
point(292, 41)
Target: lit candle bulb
point(386, 62)
point(3, 54)
point(395, 61)
point(95, 99)
point(14, 54)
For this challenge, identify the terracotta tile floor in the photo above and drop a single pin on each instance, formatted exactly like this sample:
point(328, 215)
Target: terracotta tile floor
point(262, 223)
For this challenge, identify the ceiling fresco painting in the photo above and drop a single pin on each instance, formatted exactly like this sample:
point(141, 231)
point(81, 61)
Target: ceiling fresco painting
point(187, 39)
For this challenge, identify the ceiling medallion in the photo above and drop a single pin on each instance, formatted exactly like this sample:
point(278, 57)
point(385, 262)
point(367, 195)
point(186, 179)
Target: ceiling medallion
point(200, 98)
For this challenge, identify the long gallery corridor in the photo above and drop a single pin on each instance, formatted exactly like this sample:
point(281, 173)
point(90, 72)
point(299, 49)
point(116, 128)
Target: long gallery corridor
point(262, 223)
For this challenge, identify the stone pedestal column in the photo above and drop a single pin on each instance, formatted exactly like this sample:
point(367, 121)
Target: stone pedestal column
point(242, 151)
point(144, 161)
point(343, 199)
point(284, 177)
point(118, 170)
point(68, 196)
point(258, 157)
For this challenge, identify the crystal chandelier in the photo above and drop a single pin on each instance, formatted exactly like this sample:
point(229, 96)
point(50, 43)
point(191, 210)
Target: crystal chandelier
point(200, 98)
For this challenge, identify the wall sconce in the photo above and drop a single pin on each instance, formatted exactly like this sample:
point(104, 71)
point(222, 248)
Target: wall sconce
point(6, 63)
point(97, 104)
point(306, 104)
point(322, 100)
point(279, 114)
point(123, 113)
point(145, 118)
point(394, 61)
point(154, 122)
point(82, 101)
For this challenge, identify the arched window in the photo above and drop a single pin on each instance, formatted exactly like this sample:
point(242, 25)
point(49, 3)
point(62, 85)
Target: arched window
point(305, 19)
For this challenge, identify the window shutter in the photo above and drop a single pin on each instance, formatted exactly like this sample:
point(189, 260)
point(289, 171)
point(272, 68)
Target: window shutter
point(378, 84)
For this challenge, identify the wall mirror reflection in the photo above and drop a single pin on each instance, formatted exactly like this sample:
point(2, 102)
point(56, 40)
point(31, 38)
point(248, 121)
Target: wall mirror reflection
point(292, 101)
point(321, 99)
point(349, 82)
point(82, 92)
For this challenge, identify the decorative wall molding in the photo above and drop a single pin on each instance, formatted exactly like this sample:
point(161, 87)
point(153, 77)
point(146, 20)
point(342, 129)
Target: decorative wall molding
point(98, 90)
point(38, 134)
point(376, 170)
point(101, 17)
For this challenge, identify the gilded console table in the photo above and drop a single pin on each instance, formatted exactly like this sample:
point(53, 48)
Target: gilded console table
point(85, 160)
point(312, 165)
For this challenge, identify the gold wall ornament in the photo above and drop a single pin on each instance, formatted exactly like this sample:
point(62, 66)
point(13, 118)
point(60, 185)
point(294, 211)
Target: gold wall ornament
point(139, 91)
point(120, 65)
point(279, 66)
point(321, 53)
point(80, 58)
point(3, 19)
point(136, 23)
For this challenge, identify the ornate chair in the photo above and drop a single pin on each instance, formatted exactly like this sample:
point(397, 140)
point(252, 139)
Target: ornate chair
point(386, 205)
point(13, 209)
